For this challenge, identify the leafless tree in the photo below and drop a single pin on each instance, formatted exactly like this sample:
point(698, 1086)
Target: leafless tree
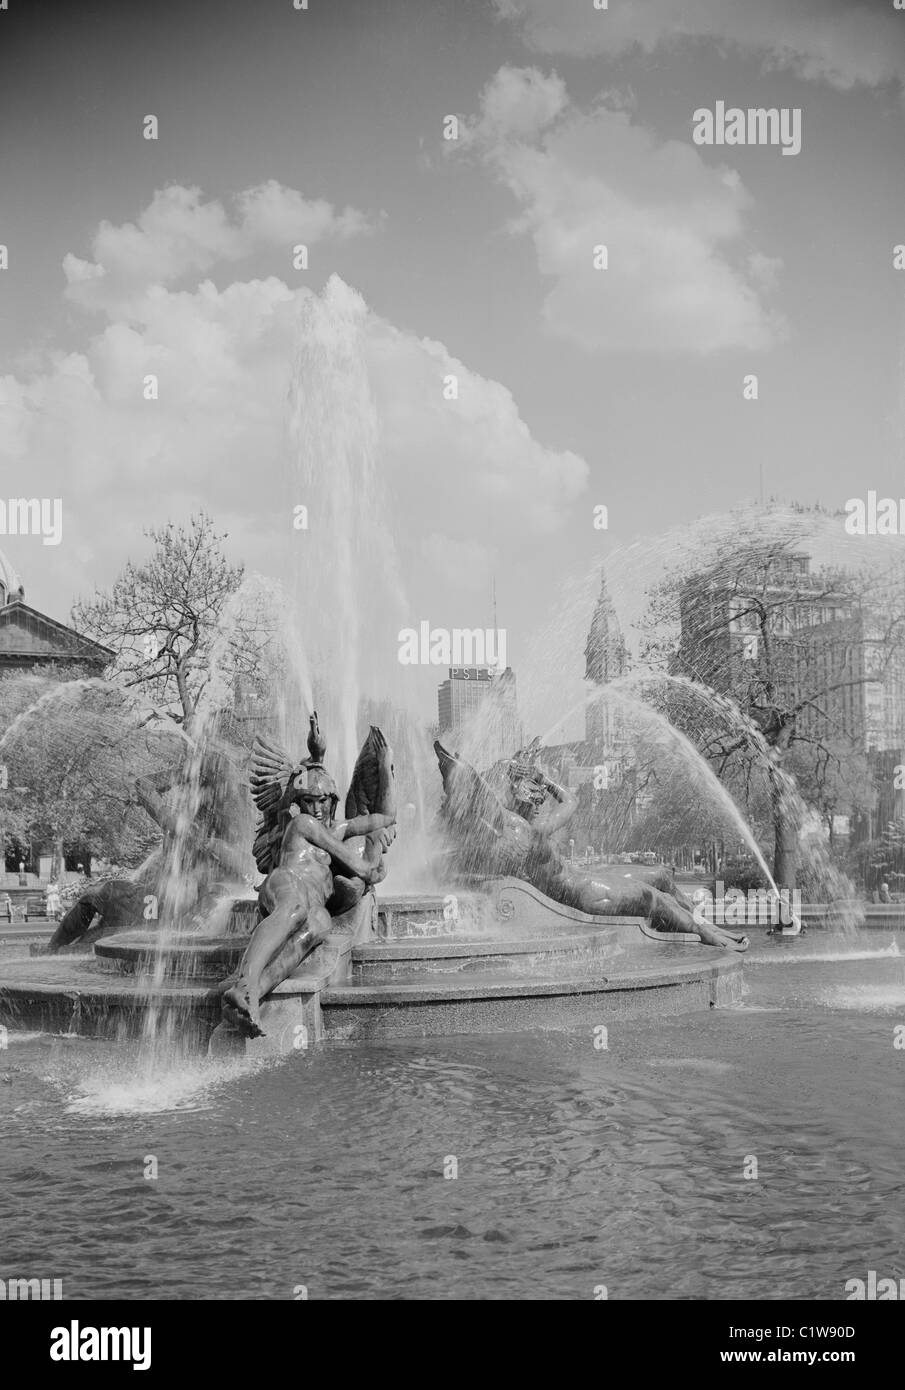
point(178, 622)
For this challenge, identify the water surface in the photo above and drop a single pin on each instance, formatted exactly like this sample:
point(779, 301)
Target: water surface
point(577, 1167)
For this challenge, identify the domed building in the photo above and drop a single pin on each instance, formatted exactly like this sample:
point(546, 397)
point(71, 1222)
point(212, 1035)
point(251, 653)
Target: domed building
point(10, 584)
point(29, 638)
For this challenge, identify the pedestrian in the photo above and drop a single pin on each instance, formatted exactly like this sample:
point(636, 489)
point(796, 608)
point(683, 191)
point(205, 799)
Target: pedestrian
point(53, 901)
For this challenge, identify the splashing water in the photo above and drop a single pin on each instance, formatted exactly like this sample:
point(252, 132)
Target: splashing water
point(349, 601)
point(837, 888)
point(697, 766)
point(66, 697)
point(149, 1081)
point(334, 641)
point(806, 954)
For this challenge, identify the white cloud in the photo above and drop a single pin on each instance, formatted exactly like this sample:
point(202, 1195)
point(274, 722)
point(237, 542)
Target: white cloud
point(490, 481)
point(679, 277)
point(178, 234)
point(467, 482)
point(835, 41)
point(519, 103)
point(274, 215)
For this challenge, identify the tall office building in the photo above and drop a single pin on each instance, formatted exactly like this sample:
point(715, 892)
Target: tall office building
point(827, 656)
point(826, 646)
point(478, 704)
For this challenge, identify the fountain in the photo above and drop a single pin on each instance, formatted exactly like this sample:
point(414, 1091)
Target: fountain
point(318, 956)
point(316, 953)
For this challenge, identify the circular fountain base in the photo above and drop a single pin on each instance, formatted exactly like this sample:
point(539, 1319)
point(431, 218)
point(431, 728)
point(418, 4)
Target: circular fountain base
point(76, 995)
point(177, 956)
point(510, 960)
point(479, 999)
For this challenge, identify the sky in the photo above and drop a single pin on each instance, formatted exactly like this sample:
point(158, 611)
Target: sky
point(473, 257)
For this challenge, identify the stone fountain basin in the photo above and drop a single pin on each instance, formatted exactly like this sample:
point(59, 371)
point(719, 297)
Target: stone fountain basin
point(388, 962)
point(658, 984)
point(510, 960)
point(186, 956)
point(75, 994)
point(181, 955)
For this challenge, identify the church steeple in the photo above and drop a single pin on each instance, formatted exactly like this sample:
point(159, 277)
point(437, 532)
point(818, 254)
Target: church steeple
point(606, 656)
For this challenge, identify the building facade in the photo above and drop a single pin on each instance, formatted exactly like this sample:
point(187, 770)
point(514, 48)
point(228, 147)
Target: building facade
point(607, 739)
point(827, 655)
point(480, 704)
point(31, 640)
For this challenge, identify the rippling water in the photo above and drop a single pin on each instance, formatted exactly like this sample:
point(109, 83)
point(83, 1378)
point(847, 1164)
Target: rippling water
point(576, 1167)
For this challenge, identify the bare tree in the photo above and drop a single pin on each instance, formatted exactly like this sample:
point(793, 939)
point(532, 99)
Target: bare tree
point(177, 622)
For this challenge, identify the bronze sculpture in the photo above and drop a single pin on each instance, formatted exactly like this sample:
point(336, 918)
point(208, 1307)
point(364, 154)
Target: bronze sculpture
point(501, 826)
point(200, 857)
point(317, 868)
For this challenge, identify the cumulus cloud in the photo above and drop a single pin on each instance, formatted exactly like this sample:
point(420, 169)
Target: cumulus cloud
point(834, 41)
point(466, 481)
point(679, 276)
point(490, 481)
point(178, 233)
point(518, 104)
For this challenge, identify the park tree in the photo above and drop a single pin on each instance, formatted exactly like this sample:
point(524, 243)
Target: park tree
point(658, 802)
point(72, 753)
point(834, 776)
point(179, 622)
point(770, 660)
point(17, 694)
